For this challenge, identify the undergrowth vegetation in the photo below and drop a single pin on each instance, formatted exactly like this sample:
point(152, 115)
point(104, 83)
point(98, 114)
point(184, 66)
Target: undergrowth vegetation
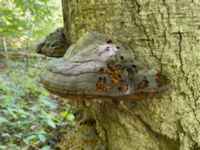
point(29, 115)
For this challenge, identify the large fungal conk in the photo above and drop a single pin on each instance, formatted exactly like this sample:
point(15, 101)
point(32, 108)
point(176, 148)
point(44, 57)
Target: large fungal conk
point(96, 67)
point(54, 45)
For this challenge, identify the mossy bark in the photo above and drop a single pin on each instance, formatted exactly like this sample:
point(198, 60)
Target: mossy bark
point(163, 34)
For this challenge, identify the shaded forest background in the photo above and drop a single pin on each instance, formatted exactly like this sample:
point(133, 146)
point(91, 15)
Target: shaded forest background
point(29, 115)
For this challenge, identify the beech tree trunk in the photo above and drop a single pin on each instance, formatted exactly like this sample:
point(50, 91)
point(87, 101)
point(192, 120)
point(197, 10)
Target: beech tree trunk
point(162, 34)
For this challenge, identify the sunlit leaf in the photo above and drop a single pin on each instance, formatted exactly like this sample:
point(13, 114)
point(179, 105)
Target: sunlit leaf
point(3, 147)
point(46, 148)
point(67, 115)
point(46, 101)
point(3, 120)
point(30, 139)
point(51, 123)
point(12, 113)
point(42, 137)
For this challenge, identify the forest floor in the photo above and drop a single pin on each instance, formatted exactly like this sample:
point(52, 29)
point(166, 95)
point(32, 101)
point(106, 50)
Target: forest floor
point(30, 117)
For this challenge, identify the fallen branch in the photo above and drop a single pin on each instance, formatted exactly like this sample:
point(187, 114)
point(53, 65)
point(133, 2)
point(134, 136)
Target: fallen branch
point(20, 54)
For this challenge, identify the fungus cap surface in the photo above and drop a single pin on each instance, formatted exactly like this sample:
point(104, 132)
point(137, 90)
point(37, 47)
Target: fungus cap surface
point(96, 67)
point(54, 45)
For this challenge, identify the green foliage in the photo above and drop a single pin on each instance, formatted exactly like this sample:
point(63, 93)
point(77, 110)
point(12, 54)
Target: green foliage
point(28, 114)
point(23, 22)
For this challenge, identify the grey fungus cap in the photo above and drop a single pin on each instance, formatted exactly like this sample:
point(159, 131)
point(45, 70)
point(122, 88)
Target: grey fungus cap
point(95, 67)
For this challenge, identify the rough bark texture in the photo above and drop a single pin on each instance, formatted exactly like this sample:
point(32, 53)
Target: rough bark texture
point(164, 34)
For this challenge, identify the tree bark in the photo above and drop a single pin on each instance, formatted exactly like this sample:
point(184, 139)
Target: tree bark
point(163, 34)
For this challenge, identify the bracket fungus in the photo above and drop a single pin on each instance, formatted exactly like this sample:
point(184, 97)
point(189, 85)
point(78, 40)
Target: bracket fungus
point(95, 67)
point(54, 45)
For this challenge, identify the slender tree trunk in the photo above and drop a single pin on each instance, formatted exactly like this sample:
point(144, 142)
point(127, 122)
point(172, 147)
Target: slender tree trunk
point(163, 34)
point(5, 47)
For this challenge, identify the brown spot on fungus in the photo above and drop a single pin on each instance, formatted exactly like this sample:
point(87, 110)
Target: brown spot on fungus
point(101, 71)
point(161, 80)
point(120, 88)
point(123, 88)
point(121, 57)
point(101, 84)
point(107, 48)
point(114, 72)
point(108, 65)
point(143, 84)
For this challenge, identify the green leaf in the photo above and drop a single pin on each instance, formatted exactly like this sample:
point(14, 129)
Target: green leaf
point(12, 113)
point(51, 123)
point(46, 148)
point(3, 120)
point(30, 139)
point(42, 137)
point(46, 101)
point(21, 19)
point(67, 115)
point(2, 147)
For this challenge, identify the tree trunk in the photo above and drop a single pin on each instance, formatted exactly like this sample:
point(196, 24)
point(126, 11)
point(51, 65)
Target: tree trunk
point(162, 34)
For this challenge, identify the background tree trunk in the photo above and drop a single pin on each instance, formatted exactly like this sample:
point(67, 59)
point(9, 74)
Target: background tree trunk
point(163, 34)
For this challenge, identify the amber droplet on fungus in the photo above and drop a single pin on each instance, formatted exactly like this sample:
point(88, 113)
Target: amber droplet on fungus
point(101, 84)
point(143, 84)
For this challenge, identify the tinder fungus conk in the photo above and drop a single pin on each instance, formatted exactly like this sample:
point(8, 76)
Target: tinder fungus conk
point(96, 67)
point(54, 45)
